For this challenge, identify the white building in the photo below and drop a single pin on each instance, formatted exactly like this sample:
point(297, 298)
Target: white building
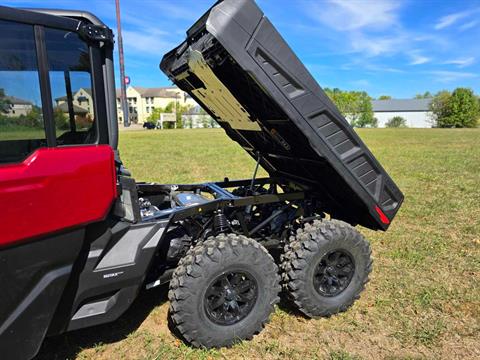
point(18, 106)
point(197, 118)
point(416, 112)
point(82, 102)
point(142, 101)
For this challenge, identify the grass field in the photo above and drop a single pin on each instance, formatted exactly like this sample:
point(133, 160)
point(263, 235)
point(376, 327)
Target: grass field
point(423, 300)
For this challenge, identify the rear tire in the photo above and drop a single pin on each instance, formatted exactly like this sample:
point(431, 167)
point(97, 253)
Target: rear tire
point(325, 267)
point(223, 291)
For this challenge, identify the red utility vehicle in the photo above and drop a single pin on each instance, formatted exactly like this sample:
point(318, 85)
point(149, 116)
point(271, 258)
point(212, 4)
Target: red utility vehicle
point(79, 237)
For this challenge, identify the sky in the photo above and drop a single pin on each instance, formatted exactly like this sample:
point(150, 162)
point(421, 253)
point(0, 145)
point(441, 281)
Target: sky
point(385, 47)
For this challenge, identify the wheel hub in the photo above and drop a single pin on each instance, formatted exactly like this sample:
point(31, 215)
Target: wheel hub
point(230, 297)
point(333, 273)
point(331, 270)
point(230, 294)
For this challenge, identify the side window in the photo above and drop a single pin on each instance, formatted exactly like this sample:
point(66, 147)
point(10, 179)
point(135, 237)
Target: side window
point(71, 87)
point(21, 122)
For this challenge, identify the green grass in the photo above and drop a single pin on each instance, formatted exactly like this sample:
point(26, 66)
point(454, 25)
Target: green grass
point(179, 156)
point(8, 133)
point(423, 300)
point(20, 133)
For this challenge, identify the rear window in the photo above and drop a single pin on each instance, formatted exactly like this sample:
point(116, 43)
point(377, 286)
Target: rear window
point(71, 87)
point(22, 127)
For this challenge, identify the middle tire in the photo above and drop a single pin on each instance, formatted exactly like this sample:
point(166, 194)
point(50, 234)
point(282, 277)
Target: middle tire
point(223, 291)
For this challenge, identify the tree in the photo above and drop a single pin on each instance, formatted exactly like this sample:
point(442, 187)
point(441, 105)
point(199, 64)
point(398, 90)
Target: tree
point(384, 97)
point(458, 109)
point(181, 109)
point(155, 115)
point(356, 106)
point(170, 108)
point(425, 95)
point(205, 122)
point(461, 110)
point(61, 119)
point(5, 104)
point(438, 106)
point(396, 122)
point(365, 118)
point(33, 119)
point(344, 100)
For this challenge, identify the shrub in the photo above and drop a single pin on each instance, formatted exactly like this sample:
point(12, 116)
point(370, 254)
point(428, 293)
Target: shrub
point(83, 122)
point(396, 122)
point(458, 109)
point(61, 120)
point(32, 120)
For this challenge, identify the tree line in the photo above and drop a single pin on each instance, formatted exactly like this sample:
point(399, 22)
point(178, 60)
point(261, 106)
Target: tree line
point(171, 107)
point(459, 108)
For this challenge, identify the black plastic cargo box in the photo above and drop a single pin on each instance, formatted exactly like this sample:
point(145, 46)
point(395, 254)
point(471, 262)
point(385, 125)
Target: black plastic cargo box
point(238, 67)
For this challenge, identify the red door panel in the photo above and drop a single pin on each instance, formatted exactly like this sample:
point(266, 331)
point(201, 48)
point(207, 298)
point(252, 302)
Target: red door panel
point(55, 189)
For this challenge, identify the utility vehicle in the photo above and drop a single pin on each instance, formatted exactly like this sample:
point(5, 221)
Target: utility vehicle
point(79, 237)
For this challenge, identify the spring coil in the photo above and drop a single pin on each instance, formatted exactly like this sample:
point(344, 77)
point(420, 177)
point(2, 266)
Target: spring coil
point(220, 222)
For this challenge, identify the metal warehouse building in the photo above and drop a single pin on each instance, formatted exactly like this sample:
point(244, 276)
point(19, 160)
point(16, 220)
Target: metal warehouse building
point(415, 111)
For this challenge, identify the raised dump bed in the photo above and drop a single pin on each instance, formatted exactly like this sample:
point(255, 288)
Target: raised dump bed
point(239, 68)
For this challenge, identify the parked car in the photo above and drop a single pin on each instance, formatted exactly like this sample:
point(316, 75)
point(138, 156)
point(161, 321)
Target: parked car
point(149, 125)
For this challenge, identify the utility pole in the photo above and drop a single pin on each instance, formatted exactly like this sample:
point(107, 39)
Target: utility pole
point(123, 91)
point(176, 101)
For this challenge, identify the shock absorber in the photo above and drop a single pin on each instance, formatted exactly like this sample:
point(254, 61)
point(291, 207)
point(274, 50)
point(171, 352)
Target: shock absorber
point(220, 222)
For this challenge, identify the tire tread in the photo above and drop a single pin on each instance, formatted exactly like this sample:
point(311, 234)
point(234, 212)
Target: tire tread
point(190, 267)
point(295, 259)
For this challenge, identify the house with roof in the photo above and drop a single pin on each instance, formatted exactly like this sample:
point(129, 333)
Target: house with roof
point(142, 101)
point(77, 110)
point(416, 112)
point(17, 106)
point(82, 102)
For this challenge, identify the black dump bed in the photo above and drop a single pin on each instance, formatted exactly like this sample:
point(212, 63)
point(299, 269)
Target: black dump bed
point(243, 73)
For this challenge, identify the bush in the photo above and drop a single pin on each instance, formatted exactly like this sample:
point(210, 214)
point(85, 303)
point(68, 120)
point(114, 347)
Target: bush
point(83, 122)
point(458, 109)
point(61, 120)
point(396, 122)
point(32, 120)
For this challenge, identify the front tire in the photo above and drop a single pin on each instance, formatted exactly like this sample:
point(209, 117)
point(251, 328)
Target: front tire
point(325, 267)
point(223, 291)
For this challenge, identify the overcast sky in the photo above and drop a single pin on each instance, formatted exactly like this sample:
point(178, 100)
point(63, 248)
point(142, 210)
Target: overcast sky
point(397, 48)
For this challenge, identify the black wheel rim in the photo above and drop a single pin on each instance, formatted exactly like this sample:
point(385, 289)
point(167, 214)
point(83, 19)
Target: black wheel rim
point(333, 273)
point(230, 297)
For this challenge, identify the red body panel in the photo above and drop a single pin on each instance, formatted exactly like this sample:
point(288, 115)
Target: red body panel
point(54, 189)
